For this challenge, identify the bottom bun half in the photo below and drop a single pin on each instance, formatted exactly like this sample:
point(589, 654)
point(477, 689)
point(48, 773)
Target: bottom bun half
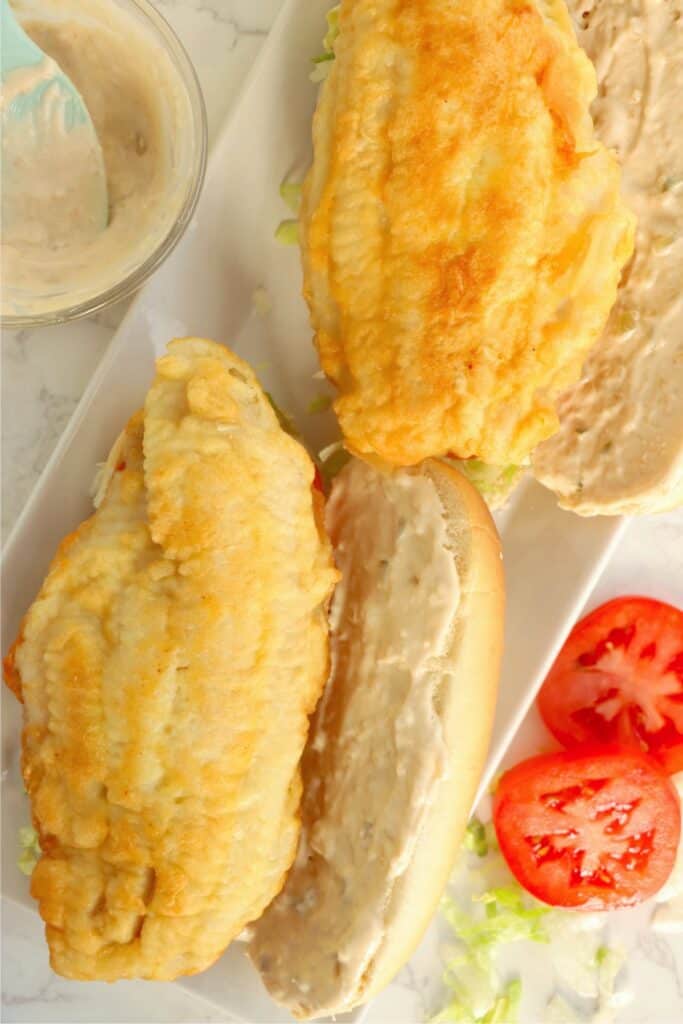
point(399, 739)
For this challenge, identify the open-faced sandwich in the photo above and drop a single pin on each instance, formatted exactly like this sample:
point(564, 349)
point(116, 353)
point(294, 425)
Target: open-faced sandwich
point(463, 234)
point(169, 664)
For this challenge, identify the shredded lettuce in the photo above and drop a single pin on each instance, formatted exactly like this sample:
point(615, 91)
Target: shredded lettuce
point(469, 985)
point(494, 483)
point(332, 29)
point(330, 450)
point(290, 192)
point(497, 916)
point(287, 232)
point(486, 911)
point(332, 460)
point(334, 465)
point(507, 917)
point(322, 61)
point(504, 1009)
point(480, 838)
point(476, 840)
point(30, 850)
point(285, 421)
point(319, 404)
point(330, 37)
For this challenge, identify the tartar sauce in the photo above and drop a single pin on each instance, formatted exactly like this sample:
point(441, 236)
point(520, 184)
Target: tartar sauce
point(377, 752)
point(140, 112)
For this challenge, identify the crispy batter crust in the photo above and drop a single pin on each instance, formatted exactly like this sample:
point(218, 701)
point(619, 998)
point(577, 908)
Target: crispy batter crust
point(462, 230)
point(167, 670)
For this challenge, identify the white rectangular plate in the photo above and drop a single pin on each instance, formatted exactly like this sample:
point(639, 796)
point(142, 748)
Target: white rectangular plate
point(552, 558)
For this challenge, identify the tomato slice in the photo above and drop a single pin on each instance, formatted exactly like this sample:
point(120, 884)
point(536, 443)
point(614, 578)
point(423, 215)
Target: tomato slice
point(318, 484)
point(593, 828)
point(619, 679)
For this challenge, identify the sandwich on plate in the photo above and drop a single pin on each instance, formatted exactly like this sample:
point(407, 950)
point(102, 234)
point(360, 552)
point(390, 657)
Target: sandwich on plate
point(247, 706)
point(170, 663)
point(464, 229)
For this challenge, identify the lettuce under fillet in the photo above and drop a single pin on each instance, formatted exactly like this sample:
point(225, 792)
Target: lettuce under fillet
point(322, 61)
point(30, 850)
point(287, 232)
point(494, 483)
point(290, 192)
point(487, 911)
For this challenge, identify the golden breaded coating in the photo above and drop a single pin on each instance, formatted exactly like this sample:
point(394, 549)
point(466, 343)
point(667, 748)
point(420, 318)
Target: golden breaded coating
point(462, 229)
point(167, 670)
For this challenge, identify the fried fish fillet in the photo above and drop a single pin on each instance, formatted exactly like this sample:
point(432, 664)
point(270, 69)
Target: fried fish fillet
point(462, 229)
point(167, 670)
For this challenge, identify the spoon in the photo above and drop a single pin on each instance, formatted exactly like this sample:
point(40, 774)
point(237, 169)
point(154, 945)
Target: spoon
point(54, 187)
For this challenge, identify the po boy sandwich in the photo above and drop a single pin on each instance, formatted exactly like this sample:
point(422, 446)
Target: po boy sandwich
point(167, 669)
point(463, 236)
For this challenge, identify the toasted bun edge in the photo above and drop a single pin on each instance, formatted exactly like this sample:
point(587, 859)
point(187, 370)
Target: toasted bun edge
point(467, 702)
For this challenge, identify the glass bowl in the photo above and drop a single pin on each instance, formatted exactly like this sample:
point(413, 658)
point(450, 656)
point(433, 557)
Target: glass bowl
point(186, 137)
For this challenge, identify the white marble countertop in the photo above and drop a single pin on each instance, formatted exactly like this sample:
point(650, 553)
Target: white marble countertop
point(44, 374)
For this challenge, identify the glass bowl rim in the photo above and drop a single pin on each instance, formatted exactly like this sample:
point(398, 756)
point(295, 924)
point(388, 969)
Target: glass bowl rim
point(136, 277)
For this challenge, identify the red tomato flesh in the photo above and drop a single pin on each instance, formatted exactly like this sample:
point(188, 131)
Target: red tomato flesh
point(619, 679)
point(594, 828)
point(318, 480)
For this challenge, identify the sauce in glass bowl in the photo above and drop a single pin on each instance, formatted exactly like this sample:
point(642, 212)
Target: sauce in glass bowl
point(146, 106)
